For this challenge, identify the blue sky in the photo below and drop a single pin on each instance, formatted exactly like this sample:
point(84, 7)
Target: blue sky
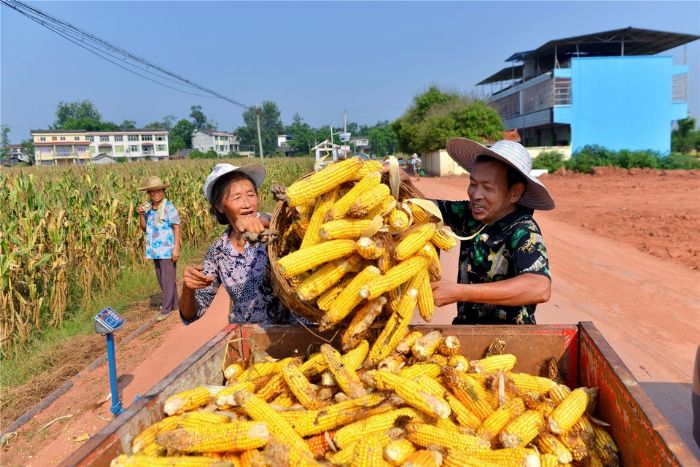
point(313, 58)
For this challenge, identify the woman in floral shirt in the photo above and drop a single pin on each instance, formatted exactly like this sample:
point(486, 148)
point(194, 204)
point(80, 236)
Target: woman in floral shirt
point(241, 267)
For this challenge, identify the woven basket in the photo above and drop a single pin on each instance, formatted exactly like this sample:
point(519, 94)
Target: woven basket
point(282, 217)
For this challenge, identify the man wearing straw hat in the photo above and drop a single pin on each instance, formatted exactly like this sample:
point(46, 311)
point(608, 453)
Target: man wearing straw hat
point(503, 264)
point(160, 220)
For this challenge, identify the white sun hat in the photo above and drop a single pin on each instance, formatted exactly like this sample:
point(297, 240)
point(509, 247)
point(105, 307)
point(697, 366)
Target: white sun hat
point(465, 152)
point(255, 171)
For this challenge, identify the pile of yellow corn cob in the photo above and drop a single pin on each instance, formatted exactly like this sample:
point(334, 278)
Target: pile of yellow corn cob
point(356, 251)
point(422, 404)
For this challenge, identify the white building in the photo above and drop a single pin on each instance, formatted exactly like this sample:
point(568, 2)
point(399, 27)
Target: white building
point(221, 142)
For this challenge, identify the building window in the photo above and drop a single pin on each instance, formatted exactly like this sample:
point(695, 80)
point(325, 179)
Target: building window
point(90, 138)
point(42, 138)
point(53, 138)
point(146, 137)
point(119, 138)
point(119, 149)
point(104, 139)
point(133, 137)
point(160, 147)
point(63, 138)
point(134, 148)
point(160, 138)
point(77, 138)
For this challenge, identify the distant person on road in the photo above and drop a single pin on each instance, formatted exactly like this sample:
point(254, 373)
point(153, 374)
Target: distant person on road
point(241, 267)
point(415, 164)
point(503, 264)
point(160, 220)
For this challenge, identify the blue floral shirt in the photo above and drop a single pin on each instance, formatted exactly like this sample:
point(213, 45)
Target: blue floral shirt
point(246, 277)
point(160, 240)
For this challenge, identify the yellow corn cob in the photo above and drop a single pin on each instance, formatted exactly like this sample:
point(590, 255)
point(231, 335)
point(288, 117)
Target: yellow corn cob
point(283, 400)
point(495, 422)
point(368, 248)
point(575, 444)
point(278, 453)
point(498, 457)
point(179, 461)
point(559, 392)
point(568, 411)
point(225, 398)
point(424, 435)
point(458, 362)
point(469, 392)
point(153, 450)
point(434, 264)
point(370, 198)
point(304, 391)
point(327, 276)
point(438, 359)
point(449, 347)
point(420, 216)
point(413, 241)
point(398, 220)
point(348, 298)
point(431, 385)
point(417, 369)
point(361, 321)
point(346, 377)
point(392, 363)
point(504, 362)
point(584, 427)
point(352, 360)
point(260, 369)
point(530, 383)
point(345, 455)
point(368, 167)
point(549, 460)
point(410, 392)
point(367, 453)
point(550, 444)
point(317, 421)
point(312, 234)
point(407, 342)
point(594, 461)
point(605, 447)
point(462, 414)
point(332, 176)
point(326, 299)
point(318, 444)
point(252, 458)
point(342, 206)
point(386, 261)
point(448, 425)
point(398, 450)
point(191, 420)
point(187, 400)
point(308, 258)
point(232, 371)
point(234, 436)
point(426, 302)
point(257, 409)
point(424, 458)
point(394, 277)
point(426, 346)
point(443, 240)
point(394, 330)
point(523, 429)
point(383, 208)
point(370, 425)
point(536, 401)
point(344, 228)
point(274, 387)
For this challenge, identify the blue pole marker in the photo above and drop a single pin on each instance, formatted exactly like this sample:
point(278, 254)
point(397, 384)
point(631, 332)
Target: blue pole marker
point(106, 322)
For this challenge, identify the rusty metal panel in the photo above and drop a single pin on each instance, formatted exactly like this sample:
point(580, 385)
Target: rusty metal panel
point(639, 429)
point(202, 367)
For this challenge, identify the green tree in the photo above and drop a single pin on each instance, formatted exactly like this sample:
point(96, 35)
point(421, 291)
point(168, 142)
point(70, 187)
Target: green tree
point(270, 126)
point(181, 135)
point(127, 125)
point(685, 138)
point(382, 138)
point(302, 135)
point(4, 141)
point(199, 119)
point(28, 149)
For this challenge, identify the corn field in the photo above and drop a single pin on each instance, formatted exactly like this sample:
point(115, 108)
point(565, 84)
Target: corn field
point(67, 232)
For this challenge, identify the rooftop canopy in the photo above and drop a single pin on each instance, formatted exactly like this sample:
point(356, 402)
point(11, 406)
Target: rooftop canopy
point(508, 73)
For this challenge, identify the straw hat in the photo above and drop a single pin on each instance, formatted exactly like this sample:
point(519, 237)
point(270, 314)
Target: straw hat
point(465, 152)
point(153, 183)
point(255, 171)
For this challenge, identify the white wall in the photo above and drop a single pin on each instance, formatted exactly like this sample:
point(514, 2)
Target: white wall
point(537, 150)
point(440, 164)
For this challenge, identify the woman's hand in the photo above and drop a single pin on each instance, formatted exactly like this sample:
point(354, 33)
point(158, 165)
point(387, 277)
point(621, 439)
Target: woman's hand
point(141, 209)
point(194, 279)
point(176, 254)
point(445, 292)
point(251, 224)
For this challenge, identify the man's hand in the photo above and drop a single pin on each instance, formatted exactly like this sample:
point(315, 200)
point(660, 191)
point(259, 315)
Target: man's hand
point(445, 292)
point(194, 279)
point(251, 224)
point(176, 254)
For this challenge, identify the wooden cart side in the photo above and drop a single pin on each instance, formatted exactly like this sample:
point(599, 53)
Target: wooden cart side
point(642, 433)
point(114, 439)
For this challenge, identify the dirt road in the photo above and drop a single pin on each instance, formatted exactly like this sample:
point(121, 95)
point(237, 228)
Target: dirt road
point(647, 307)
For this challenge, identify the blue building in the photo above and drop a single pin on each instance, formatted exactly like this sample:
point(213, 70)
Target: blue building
point(607, 88)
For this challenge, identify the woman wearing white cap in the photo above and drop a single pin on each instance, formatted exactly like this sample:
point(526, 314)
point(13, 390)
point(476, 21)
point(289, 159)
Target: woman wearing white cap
point(241, 267)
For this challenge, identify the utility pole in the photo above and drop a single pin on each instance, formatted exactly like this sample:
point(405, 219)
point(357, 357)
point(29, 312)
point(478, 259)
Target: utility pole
point(257, 117)
point(345, 121)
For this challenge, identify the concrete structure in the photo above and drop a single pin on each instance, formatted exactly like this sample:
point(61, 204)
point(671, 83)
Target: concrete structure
point(56, 147)
point(607, 88)
point(14, 156)
point(221, 142)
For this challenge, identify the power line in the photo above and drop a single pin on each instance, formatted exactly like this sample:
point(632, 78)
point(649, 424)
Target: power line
point(94, 44)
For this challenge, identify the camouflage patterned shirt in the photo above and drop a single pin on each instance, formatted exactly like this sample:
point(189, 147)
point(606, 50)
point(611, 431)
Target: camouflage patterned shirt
point(507, 248)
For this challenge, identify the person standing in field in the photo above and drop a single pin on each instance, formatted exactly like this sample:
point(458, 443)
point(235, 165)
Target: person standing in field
point(160, 220)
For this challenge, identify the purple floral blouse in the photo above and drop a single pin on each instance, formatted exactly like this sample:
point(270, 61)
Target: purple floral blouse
point(246, 278)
